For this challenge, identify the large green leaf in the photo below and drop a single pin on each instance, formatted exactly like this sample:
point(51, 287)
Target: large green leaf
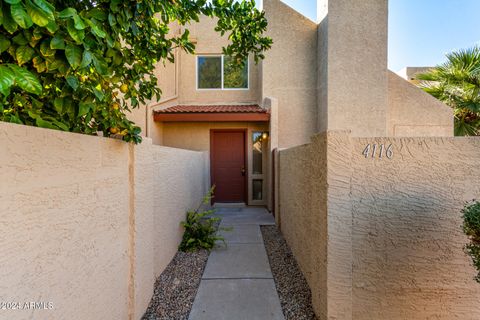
point(73, 82)
point(24, 54)
point(1, 14)
point(20, 39)
point(44, 124)
point(20, 16)
point(97, 14)
point(84, 107)
point(45, 7)
point(77, 35)
point(79, 23)
point(8, 23)
point(26, 80)
point(58, 105)
point(111, 19)
point(97, 28)
point(67, 13)
point(7, 78)
point(4, 43)
point(98, 93)
point(38, 33)
point(45, 49)
point(12, 1)
point(39, 17)
point(57, 42)
point(60, 125)
point(56, 64)
point(52, 27)
point(15, 119)
point(74, 55)
point(86, 59)
point(101, 66)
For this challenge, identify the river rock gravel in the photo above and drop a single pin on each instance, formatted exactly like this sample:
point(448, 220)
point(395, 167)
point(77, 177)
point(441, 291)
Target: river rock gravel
point(293, 291)
point(177, 286)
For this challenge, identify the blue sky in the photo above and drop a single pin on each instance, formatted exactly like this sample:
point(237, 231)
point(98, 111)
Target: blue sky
point(421, 32)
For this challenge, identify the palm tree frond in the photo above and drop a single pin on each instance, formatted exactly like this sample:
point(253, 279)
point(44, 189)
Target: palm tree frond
point(456, 82)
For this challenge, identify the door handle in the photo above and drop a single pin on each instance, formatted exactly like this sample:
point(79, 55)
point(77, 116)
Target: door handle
point(243, 171)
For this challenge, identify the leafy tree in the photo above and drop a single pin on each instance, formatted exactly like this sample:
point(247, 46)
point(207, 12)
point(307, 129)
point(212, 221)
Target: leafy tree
point(457, 83)
point(210, 72)
point(234, 77)
point(81, 65)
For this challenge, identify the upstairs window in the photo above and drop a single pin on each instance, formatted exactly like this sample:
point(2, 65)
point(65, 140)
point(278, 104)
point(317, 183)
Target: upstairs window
point(215, 72)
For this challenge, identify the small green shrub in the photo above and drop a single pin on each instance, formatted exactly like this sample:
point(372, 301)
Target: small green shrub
point(200, 228)
point(471, 227)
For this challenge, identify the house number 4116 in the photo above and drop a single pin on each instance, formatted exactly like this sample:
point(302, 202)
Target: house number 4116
point(379, 151)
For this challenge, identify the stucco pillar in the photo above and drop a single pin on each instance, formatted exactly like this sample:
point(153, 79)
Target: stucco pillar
point(352, 66)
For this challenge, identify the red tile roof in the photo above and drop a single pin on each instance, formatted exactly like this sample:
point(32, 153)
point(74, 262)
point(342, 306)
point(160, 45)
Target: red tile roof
point(251, 108)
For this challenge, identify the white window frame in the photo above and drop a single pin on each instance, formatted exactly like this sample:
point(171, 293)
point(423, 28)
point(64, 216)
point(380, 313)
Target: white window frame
point(222, 56)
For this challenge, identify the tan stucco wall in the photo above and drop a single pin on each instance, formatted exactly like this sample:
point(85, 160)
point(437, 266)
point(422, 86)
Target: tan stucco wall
point(82, 220)
point(413, 112)
point(65, 222)
point(301, 213)
point(180, 182)
point(390, 229)
point(407, 224)
point(352, 62)
point(196, 135)
point(289, 72)
point(142, 226)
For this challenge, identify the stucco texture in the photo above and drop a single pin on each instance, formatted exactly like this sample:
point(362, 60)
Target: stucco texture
point(302, 210)
point(289, 72)
point(180, 182)
point(413, 112)
point(391, 244)
point(83, 225)
point(356, 91)
point(352, 47)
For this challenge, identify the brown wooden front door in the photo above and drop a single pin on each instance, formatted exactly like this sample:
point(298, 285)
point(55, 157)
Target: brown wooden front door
point(228, 165)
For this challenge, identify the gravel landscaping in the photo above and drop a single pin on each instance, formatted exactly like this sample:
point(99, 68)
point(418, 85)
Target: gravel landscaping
point(294, 293)
point(177, 286)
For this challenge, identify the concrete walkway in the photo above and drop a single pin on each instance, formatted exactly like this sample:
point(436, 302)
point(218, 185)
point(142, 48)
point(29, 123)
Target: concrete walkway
point(237, 283)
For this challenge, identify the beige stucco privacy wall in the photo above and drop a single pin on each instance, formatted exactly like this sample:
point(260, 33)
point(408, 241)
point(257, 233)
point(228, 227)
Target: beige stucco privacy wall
point(387, 243)
point(407, 222)
point(301, 213)
point(88, 222)
point(180, 182)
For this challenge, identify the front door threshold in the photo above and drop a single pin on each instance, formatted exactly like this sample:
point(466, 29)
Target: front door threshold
point(229, 205)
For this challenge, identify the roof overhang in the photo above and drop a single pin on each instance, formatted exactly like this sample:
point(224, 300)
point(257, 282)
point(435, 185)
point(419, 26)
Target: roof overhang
point(212, 117)
point(212, 113)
